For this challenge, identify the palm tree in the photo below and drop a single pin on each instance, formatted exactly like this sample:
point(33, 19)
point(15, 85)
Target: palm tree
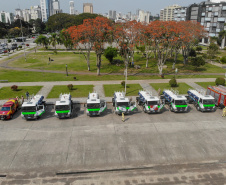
point(43, 40)
point(54, 40)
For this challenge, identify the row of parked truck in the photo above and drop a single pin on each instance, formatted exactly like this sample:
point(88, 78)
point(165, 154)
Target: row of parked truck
point(36, 106)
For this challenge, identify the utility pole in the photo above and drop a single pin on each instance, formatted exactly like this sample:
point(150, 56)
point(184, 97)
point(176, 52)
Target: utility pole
point(23, 41)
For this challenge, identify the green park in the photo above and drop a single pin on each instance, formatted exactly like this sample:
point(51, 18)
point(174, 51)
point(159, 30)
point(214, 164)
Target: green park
point(76, 54)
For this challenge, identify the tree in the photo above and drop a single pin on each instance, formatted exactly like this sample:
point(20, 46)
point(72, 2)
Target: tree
point(42, 40)
point(191, 33)
point(212, 49)
point(3, 30)
point(110, 53)
point(82, 38)
point(192, 53)
point(65, 39)
point(39, 26)
point(197, 61)
point(61, 21)
point(93, 33)
point(14, 32)
point(54, 40)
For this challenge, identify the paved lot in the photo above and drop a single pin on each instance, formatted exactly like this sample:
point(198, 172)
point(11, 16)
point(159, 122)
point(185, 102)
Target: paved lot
point(93, 143)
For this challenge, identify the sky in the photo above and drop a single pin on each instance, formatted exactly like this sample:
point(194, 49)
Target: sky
point(101, 6)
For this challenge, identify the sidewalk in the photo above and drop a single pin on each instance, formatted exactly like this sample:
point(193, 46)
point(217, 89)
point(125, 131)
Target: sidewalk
point(98, 86)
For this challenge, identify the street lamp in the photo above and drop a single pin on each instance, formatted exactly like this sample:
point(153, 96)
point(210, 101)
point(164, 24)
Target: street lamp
point(176, 70)
point(66, 70)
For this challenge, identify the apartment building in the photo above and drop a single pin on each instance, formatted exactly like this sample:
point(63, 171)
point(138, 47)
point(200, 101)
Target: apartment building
point(87, 8)
point(167, 14)
point(180, 14)
point(6, 17)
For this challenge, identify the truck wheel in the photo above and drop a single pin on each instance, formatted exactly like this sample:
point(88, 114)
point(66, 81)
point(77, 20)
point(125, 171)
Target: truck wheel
point(11, 116)
point(171, 108)
point(197, 107)
point(144, 109)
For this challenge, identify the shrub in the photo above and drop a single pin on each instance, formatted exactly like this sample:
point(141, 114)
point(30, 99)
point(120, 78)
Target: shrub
point(123, 83)
point(204, 55)
point(197, 61)
point(192, 53)
point(110, 53)
point(198, 48)
point(70, 86)
point(223, 60)
point(14, 87)
point(173, 82)
point(117, 61)
point(20, 47)
point(220, 81)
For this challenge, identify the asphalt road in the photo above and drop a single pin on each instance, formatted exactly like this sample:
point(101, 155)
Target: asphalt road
point(104, 143)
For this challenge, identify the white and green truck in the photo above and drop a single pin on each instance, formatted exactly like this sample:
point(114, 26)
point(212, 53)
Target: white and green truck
point(151, 104)
point(34, 108)
point(203, 103)
point(64, 107)
point(122, 104)
point(95, 106)
point(177, 103)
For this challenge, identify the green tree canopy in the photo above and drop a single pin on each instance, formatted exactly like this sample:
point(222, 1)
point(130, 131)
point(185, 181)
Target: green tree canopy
point(61, 21)
point(39, 26)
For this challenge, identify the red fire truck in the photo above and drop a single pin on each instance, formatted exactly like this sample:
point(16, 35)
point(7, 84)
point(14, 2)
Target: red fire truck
point(219, 94)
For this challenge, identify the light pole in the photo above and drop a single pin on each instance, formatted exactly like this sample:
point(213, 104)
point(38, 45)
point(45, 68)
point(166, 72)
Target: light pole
point(176, 70)
point(66, 70)
point(23, 41)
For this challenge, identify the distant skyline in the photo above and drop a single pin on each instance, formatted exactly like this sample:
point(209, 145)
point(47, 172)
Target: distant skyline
point(101, 6)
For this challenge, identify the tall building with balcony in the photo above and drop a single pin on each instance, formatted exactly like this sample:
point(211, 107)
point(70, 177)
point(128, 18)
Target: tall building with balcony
point(180, 14)
point(167, 14)
point(36, 12)
point(87, 8)
point(6, 17)
point(144, 16)
point(46, 9)
point(56, 7)
point(72, 7)
point(211, 14)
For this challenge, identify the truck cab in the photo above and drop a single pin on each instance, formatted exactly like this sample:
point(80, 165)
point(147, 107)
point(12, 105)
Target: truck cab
point(64, 107)
point(9, 108)
point(34, 108)
point(203, 103)
point(122, 104)
point(151, 104)
point(177, 103)
point(95, 106)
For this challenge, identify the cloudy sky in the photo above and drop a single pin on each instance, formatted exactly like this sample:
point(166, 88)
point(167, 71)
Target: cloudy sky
point(101, 6)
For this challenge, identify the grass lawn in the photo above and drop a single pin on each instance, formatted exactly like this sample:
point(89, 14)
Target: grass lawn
point(183, 87)
point(77, 91)
point(76, 62)
point(28, 76)
point(206, 84)
point(7, 93)
point(131, 90)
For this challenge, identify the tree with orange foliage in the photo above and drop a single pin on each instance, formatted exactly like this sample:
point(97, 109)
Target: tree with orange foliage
point(163, 36)
point(92, 34)
point(191, 33)
point(82, 39)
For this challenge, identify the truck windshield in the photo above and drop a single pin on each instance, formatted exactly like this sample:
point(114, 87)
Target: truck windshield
point(28, 109)
point(208, 102)
point(62, 107)
point(5, 109)
point(120, 104)
point(93, 105)
point(180, 102)
point(153, 103)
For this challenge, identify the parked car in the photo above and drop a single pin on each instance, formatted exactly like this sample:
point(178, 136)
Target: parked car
point(9, 108)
